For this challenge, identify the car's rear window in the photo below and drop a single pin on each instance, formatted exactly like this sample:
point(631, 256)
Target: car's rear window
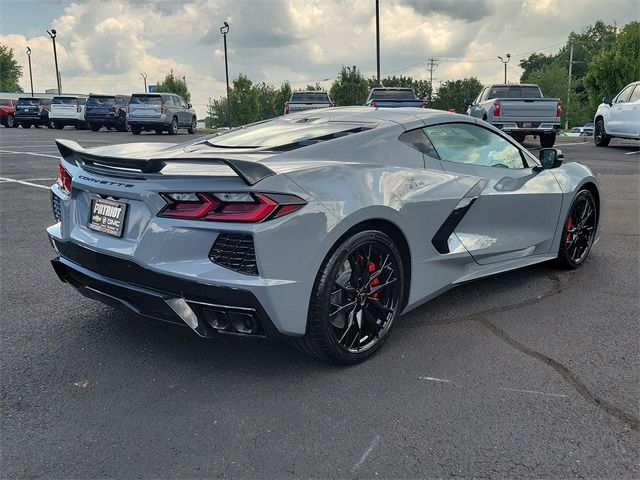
point(146, 99)
point(122, 100)
point(273, 134)
point(28, 101)
point(514, 92)
point(310, 97)
point(64, 101)
point(393, 95)
point(101, 100)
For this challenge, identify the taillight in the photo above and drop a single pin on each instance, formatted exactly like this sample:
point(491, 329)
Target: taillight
point(332, 104)
point(373, 104)
point(64, 179)
point(496, 108)
point(78, 108)
point(163, 109)
point(286, 108)
point(424, 104)
point(559, 109)
point(229, 207)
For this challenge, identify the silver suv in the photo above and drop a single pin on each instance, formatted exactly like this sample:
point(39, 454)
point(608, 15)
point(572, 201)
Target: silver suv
point(160, 112)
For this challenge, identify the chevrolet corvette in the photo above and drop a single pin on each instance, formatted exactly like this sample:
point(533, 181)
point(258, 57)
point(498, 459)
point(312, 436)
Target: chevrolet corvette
point(320, 227)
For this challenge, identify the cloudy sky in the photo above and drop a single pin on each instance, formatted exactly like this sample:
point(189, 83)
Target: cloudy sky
point(103, 45)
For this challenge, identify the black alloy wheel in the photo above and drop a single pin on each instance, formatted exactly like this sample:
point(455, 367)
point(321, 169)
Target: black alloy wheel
point(173, 128)
point(579, 231)
point(356, 296)
point(10, 122)
point(600, 137)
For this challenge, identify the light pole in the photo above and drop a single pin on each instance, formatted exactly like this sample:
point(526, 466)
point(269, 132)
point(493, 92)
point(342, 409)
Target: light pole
point(224, 30)
point(378, 40)
point(30, 75)
point(505, 65)
point(52, 34)
point(144, 76)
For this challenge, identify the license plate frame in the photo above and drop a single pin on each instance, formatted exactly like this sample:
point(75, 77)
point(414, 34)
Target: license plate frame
point(107, 216)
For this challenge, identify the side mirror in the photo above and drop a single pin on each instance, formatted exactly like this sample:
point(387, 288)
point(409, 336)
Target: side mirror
point(188, 105)
point(608, 100)
point(468, 102)
point(551, 158)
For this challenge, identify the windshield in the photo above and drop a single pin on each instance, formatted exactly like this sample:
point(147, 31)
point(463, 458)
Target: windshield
point(272, 134)
point(310, 97)
point(146, 99)
point(5, 103)
point(64, 101)
point(105, 100)
point(514, 92)
point(393, 95)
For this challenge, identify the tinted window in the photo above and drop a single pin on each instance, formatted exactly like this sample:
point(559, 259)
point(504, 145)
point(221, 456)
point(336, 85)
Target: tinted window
point(514, 91)
point(5, 103)
point(310, 97)
point(146, 99)
point(64, 101)
point(418, 140)
point(181, 101)
point(468, 143)
point(102, 100)
point(28, 101)
point(272, 134)
point(635, 96)
point(392, 95)
point(623, 96)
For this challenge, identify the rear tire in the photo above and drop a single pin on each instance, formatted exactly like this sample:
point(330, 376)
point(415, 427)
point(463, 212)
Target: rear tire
point(547, 140)
point(193, 128)
point(600, 137)
point(518, 137)
point(355, 298)
point(58, 126)
point(121, 128)
point(25, 125)
point(578, 232)
point(95, 127)
point(136, 130)
point(10, 121)
point(173, 128)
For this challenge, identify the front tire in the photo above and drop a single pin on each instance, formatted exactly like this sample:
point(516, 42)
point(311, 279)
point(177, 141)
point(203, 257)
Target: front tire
point(547, 140)
point(579, 231)
point(356, 296)
point(95, 127)
point(58, 126)
point(600, 137)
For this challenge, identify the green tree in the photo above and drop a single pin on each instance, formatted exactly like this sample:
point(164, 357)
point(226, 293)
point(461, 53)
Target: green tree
point(267, 107)
point(10, 71)
point(245, 104)
point(174, 84)
point(350, 88)
point(283, 94)
point(452, 94)
point(535, 61)
point(612, 69)
point(313, 88)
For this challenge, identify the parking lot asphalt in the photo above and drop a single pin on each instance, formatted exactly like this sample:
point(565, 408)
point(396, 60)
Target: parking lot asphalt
point(534, 373)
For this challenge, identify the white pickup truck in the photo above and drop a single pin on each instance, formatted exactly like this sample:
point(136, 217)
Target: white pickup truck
point(618, 116)
point(519, 110)
point(310, 100)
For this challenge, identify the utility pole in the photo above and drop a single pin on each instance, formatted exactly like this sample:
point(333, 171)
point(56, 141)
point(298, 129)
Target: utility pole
point(432, 66)
point(378, 40)
point(53, 34)
point(30, 75)
point(566, 118)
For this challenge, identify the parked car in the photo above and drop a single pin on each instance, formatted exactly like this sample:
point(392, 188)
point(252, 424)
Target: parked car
point(618, 116)
point(310, 100)
point(108, 111)
point(8, 113)
point(160, 112)
point(519, 110)
point(33, 111)
point(319, 227)
point(584, 131)
point(393, 97)
point(68, 110)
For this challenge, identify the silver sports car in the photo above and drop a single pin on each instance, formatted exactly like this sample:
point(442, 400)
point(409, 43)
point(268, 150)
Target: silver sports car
point(320, 227)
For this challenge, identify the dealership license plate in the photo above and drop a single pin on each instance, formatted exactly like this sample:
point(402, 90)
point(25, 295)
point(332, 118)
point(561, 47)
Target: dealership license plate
point(107, 216)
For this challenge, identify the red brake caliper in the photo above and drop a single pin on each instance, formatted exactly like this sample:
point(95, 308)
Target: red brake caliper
point(376, 281)
point(569, 226)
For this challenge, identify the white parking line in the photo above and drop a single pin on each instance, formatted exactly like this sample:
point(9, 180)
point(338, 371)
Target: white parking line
point(22, 182)
point(632, 153)
point(533, 391)
point(30, 153)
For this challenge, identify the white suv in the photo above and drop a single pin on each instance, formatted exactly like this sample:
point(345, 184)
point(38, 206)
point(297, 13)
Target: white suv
point(68, 110)
point(618, 116)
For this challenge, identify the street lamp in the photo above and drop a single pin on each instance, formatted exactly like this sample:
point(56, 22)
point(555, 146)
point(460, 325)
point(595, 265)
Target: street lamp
point(52, 34)
point(378, 42)
point(144, 75)
point(505, 65)
point(224, 30)
point(30, 75)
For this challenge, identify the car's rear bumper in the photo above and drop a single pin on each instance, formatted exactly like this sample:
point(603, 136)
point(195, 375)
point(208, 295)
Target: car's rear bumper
point(207, 309)
point(31, 118)
point(151, 122)
point(106, 119)
point(527, 128)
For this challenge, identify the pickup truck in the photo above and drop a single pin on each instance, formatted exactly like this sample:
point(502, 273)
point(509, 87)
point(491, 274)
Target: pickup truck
point(519, 110)
point(618, 116)
point(311, 100)
point(394, 97)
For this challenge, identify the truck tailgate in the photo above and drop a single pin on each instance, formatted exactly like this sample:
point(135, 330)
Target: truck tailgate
point(531, 108)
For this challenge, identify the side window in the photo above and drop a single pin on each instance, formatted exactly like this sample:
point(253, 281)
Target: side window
point(623, 96)
point(181, 102)
point(417, 140)
point(474, 145)
point(635, 96)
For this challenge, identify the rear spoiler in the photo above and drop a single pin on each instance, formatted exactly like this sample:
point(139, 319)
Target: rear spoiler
point(250, 172)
